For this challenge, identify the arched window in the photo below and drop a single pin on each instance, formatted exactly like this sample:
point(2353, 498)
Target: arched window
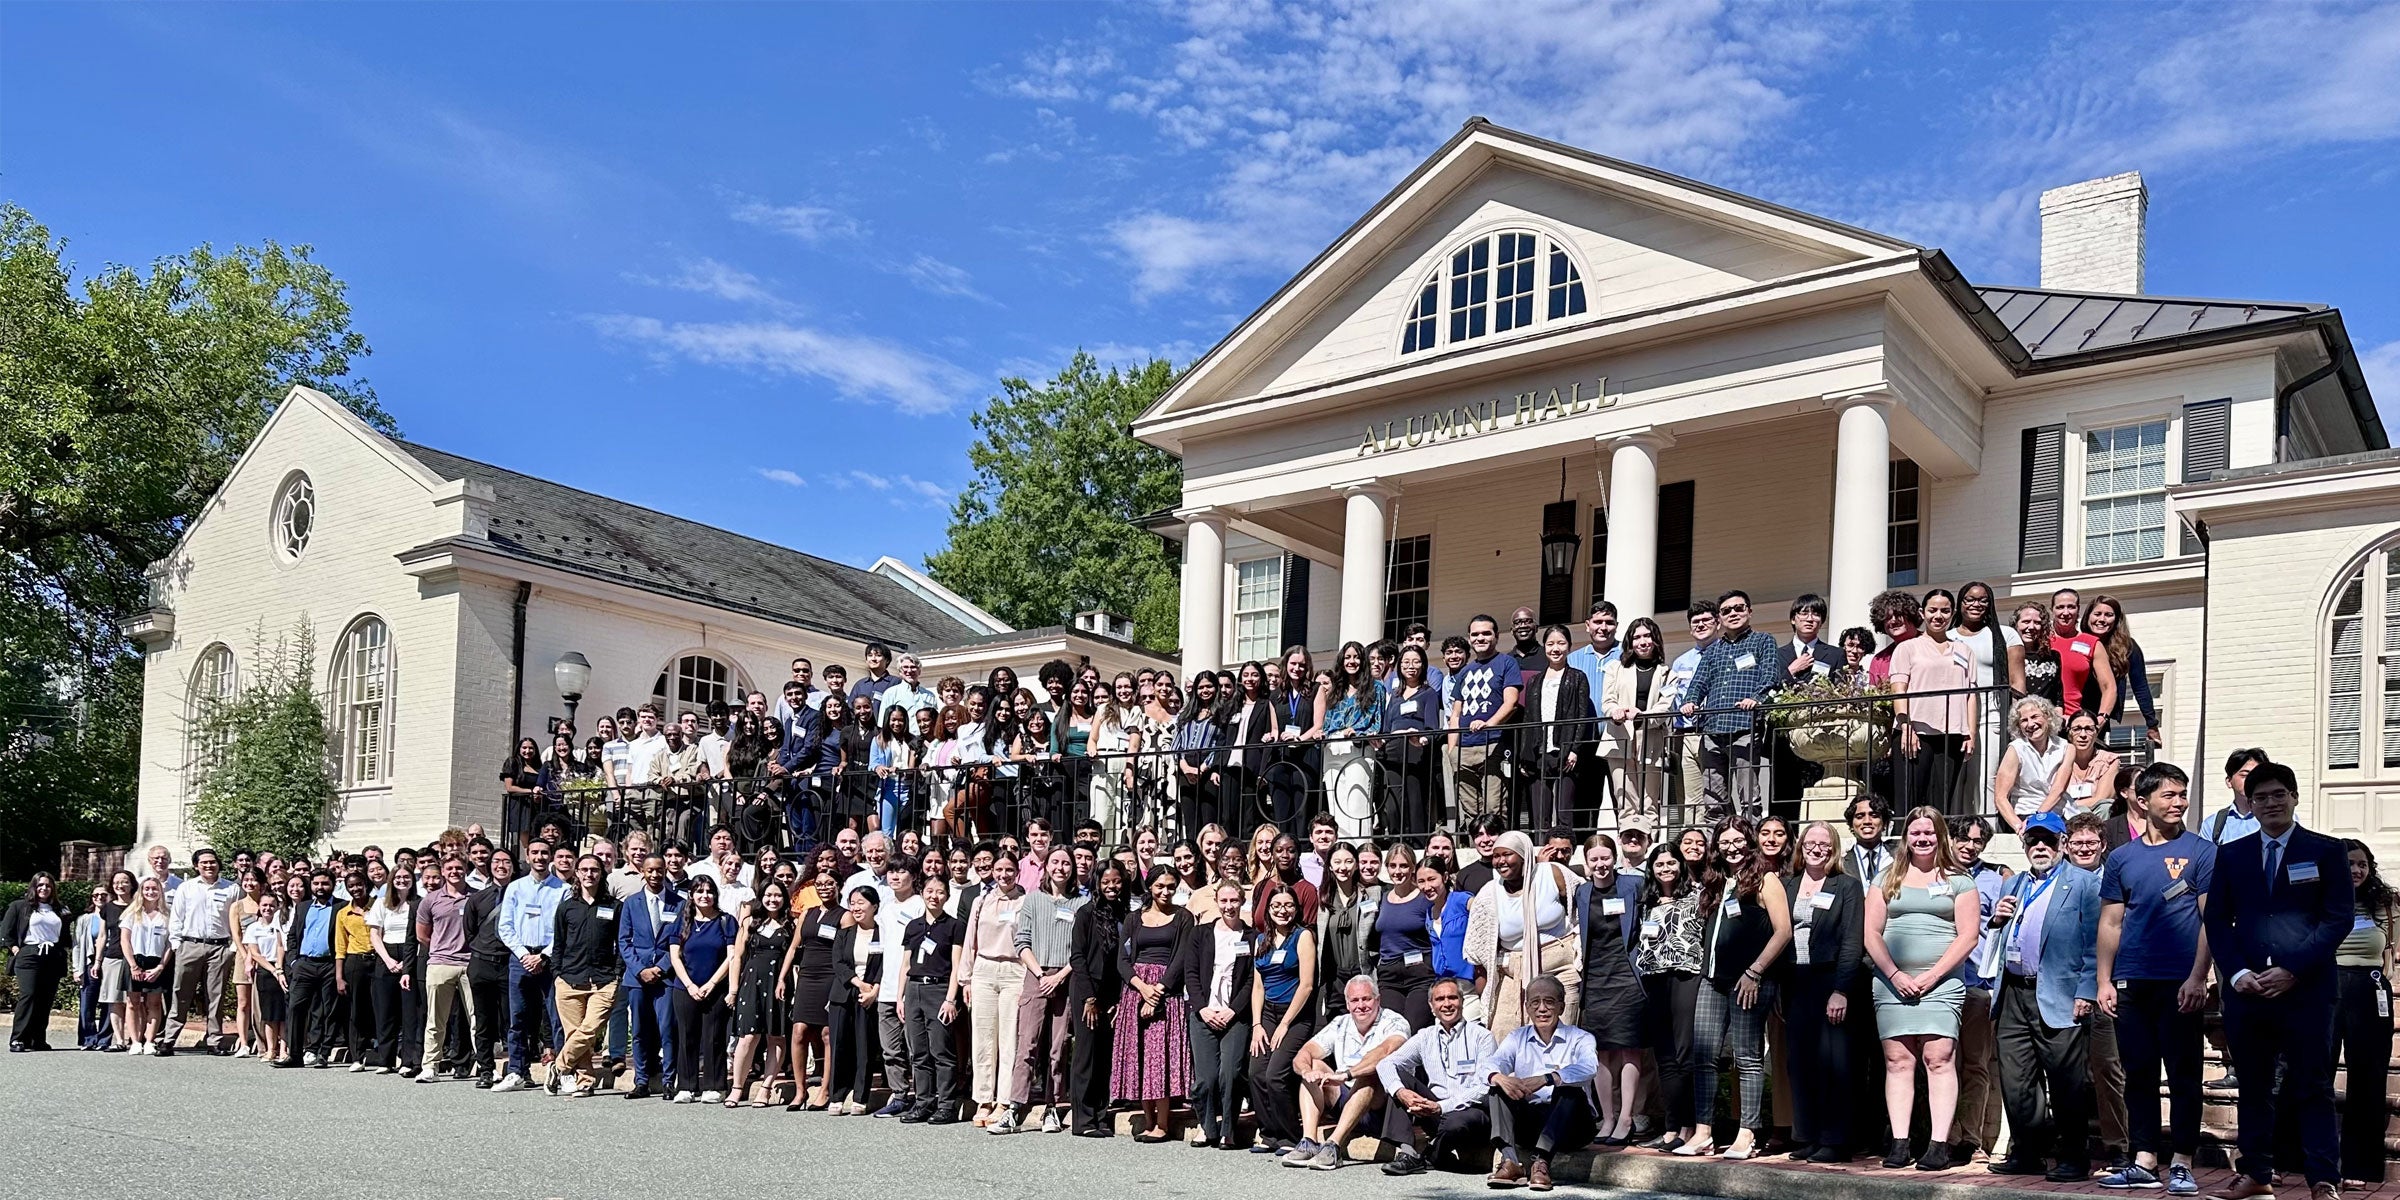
point(213, 684)
point(694, 681)
point(362, 704)
point(1497, 283)
point(2362, 676)
point(295, 514)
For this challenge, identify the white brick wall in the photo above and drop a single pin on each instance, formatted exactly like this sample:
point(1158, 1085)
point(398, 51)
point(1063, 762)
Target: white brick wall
point(2092, 235)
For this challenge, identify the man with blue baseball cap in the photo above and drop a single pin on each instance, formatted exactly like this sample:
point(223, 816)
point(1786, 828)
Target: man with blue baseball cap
point(2045, 959)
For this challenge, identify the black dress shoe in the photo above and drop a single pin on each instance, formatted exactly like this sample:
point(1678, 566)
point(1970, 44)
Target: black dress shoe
point(943, 1117)
point(918, 1115)
point(1804, 1151)
point(1406, 1164)
point(2012, 1165)
point(641, 1091)
point(1936, 1158)
point(1898, 1156)
point(2067, 1172)
point(1830, 1155)
point(163, 1051)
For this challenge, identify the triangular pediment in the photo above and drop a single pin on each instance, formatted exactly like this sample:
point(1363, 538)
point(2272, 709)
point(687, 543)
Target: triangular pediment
point(1634, 239)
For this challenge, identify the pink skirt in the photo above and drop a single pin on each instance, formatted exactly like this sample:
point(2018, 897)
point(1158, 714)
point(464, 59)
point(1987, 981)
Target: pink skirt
point(1152, 1057)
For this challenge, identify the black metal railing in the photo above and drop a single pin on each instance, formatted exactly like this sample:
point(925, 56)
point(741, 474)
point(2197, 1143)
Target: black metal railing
point(1661, 770)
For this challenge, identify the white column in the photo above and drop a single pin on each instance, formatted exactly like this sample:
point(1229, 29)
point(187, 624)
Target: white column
point(1366, 533)
point(1862, 459)
point(1631, 579)
point(1203, 632)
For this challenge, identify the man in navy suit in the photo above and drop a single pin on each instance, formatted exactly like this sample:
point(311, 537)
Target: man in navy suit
point(2278, 907)
point(648, 978)
point(2046, 959)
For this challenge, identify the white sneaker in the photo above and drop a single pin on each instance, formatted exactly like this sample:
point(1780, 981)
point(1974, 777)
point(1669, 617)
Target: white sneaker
point(429, 1077)
point(712, 1097)
point(685, 1097)
point(142, 1049)
point(358, 1068)
point(511, 1082)
point(310, 1059)
point(244, 1052)
point(1051, 1123)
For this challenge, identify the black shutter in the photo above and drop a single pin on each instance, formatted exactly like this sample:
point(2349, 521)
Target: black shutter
point(1295, 601)
point(2041, 500)
point(1674, 548)
point(2207, 446)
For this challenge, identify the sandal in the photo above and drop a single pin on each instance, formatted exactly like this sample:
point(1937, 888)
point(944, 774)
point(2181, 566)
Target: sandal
point(733, 1104)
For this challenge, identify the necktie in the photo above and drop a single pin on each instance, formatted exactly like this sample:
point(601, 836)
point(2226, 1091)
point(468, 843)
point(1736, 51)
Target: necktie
point(2274, 862)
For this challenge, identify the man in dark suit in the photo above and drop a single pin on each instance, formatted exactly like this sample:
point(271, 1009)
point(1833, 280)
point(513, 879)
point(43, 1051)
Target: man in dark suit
point(648, 976)
point(2279, 905)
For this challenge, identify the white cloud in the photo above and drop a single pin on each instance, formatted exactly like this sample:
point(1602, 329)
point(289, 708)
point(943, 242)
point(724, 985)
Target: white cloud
point(710, 277)
point(1310, 112)
point(1134, 357)
point(931, 274)
point(872, 480)
point(925, 490)
point(857, 367)
point(809, 223)
point(780, 475)
point(2381, 365)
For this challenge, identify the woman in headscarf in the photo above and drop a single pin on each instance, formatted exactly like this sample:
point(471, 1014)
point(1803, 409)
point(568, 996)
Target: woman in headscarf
point(1520, 927)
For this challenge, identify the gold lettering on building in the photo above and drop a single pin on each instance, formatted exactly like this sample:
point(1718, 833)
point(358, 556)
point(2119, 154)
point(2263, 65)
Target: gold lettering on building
point(1485, 416)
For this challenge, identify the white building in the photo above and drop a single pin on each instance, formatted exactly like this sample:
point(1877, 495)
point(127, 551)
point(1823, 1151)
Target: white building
point(1708, 391)
point(441, 591)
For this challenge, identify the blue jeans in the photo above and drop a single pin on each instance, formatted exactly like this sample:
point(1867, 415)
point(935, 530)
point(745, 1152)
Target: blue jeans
point(653, 1025)
point(894, 797)
point(91, 1018)
point(530, 997)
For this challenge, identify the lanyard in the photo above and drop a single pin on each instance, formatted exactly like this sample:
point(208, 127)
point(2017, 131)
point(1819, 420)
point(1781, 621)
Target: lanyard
point(2025, 901)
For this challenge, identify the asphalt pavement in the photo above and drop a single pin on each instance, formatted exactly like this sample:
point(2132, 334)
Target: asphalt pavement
point(76, 1124)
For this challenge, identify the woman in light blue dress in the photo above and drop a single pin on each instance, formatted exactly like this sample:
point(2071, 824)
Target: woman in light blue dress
point(1922, 923)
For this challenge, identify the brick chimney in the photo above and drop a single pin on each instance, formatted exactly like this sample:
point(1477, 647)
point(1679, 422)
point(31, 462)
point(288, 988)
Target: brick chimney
point(2092, 235)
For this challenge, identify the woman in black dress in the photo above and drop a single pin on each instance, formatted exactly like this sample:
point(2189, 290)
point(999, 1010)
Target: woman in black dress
point(857, 984)
point(807, 975)
point(1609, 908)
point(759, 1017)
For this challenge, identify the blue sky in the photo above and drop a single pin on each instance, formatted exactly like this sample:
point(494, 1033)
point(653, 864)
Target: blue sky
point(756, 264)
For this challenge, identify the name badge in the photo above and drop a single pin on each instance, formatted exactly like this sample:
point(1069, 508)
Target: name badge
point(1821, 668)
point(874, 947)
point(2301, 872)
point(1939, 887)
point(1733, 906)
point(1241, 950)
point(2362, 924)
point(1408, 708)
point(924, 948)
point(1614, 906)
point(2383, 1002)
point(825, 932)
point(1745, 661)
point(1651, 929)
point(1820, 901)
point(605, 913)
point(1065, 915)
point(2080, 648)
point(1412, 960)
point(2079, 789)
point(2177, 888)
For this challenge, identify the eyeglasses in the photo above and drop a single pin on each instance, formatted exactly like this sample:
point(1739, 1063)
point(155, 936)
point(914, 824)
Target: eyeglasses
point(1727, 609)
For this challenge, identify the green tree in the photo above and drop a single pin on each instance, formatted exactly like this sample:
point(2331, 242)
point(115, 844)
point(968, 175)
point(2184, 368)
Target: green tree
point(124, 401)
point(269, 782)
point(1047, 525)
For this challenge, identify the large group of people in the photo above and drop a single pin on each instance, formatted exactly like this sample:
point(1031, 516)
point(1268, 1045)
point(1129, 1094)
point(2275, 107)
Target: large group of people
point(1501, 991)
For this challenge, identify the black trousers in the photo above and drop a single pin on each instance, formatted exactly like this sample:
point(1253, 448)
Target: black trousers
point(1672, 1000)
point(2287, 1029)
point(2152, 1032)
point(1220, 1061)
point(1527, 1130)
point(1407, 988)
point(1408, 777)
point(309, 1011)
point(857, 1050)
point(2045, 1076)
point(395, 1014)
point(1274, 1085)
point(490, 985)
point(700, 1040)
point(37, 989)
point(1818, 1055)
point(358, 998)
point(932, 1053)
point(1453, 1133)
point(1087, 1075)
point(2362, 1030)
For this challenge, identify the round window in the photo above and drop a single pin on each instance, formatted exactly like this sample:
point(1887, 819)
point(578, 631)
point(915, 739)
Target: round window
point(295, 515)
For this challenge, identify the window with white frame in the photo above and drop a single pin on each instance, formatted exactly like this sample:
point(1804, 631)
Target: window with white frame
point(1904, 539)
point(362, 704)
point(693, 681)
point(1497, 283)
point(2125, 493)
point(295, 514)
point(1257, 608)
point(1408, 584)
point(2362, 676)
point(214, 682)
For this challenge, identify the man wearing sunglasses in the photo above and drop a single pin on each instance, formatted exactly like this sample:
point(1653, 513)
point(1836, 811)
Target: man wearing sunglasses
point(1735, 673)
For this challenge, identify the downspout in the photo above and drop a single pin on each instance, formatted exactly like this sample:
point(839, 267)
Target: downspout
point(516, 665)
point(2283, 406)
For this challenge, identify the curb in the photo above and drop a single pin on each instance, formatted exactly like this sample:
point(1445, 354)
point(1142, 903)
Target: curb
point(1760, 1181)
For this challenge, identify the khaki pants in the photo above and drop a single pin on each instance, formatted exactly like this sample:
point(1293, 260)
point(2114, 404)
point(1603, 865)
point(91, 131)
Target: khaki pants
point(998, 985)
point(583, 1013)
point(1481, 789)
point(444, 987)
point(1978, 1073)
point(1687, 767)
point(203, 973)
point(2108, 1084)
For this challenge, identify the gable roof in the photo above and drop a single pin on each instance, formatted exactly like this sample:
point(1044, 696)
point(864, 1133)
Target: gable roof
point(1478, 143)
point(573, 530)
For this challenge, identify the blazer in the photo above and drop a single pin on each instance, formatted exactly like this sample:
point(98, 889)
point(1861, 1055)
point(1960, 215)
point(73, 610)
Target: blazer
point(1628, 888)
point(2296, 926)
point(1617, 690)
point(848, 975)
point(1827, 657)
point(641, 946)
point(20, 915)
point(299, 930)
point(1837, 936)
point(2069, 969)
point(1574, 716)
point(1096, 967)
point(1196, 967)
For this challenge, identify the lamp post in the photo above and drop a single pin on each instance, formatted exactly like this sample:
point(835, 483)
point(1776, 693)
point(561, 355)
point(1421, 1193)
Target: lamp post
point(574, 673)
point(1559, 543)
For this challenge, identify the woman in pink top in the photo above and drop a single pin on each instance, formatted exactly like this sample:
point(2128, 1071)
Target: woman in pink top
point(1933, 708)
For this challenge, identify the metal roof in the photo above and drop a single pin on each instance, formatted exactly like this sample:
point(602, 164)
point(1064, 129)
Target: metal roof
point(555, 525)
point(2054, 324)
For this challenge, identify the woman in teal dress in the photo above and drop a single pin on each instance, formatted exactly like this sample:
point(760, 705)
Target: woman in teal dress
point(1921, 925)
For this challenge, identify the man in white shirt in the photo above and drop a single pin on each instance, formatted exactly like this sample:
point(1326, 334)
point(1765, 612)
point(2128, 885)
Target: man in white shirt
point(724, 864)
point(157, 861)
point(646, 755)
point(197, 921)
point(1537, 1103)
point(712, 743)
point(1436, 1084)
point(616, 753)
point(874, 854)
point(1338, 1073)
point(910, 693)
point(900, 905)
